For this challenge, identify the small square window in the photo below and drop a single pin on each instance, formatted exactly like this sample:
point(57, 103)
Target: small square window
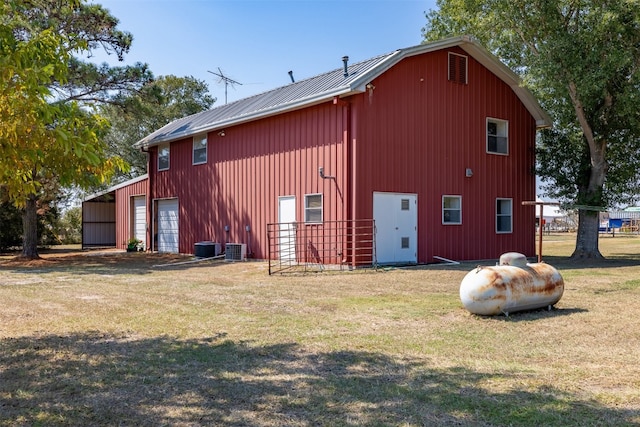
point(313, 208)
point(497, 136)
point(504, 216)
point(451, 210)
point(405, 204)
point(200, 149)
point(404, 243)
point(163, 157)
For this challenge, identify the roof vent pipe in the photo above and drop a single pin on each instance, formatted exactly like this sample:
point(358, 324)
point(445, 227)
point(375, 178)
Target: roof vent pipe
point(345, 60)
point(291, 77)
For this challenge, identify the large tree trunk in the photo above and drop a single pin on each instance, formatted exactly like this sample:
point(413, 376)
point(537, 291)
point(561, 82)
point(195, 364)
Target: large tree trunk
point(30, 229)
point(588, 233)
point(589, 220)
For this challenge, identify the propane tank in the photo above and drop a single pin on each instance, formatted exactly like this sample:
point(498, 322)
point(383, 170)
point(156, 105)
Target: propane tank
point(514, 285)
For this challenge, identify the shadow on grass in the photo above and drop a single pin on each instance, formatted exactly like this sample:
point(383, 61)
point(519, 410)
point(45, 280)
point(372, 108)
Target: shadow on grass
point(106, 263)
point(99, 379)
point(536, 314)
point(559, 262)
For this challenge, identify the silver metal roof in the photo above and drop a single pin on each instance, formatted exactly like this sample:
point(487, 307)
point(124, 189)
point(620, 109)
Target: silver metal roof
point(326, 86)
point(112, 189)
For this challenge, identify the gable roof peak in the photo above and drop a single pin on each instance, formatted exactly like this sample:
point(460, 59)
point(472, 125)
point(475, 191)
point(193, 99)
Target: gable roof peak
point(343, 81)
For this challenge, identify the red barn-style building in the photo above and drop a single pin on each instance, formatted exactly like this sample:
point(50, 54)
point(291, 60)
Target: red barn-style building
point(435, 143)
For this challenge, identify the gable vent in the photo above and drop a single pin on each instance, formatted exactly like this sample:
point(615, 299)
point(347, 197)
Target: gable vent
point(457, 68)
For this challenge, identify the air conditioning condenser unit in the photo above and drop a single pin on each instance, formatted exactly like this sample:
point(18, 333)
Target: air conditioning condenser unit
point(235, 252)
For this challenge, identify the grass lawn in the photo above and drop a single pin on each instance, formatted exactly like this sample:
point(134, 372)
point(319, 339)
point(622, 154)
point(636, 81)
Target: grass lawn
point(109, 338)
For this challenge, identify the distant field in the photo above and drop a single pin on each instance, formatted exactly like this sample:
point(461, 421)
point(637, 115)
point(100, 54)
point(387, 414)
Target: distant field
point(108, 338)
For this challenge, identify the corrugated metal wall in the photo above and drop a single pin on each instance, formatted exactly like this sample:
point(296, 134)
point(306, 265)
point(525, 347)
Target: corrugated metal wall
point(417, 133)
point(247, 170)
point(98, 224)
point(124, 211)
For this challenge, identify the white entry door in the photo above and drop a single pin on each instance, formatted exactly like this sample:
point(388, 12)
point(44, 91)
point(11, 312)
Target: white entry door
point(396, 218)
point(168, 225)
point(287, 219)
point(140, 219)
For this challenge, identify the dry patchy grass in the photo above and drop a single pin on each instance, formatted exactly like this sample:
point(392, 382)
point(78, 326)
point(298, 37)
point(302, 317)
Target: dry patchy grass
point(109, 339)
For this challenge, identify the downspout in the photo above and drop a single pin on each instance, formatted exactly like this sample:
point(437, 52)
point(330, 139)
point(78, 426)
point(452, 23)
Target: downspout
point(148, 198)
point(350, 187)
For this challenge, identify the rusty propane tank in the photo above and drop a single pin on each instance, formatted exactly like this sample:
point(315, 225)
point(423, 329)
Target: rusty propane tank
point(514, 285)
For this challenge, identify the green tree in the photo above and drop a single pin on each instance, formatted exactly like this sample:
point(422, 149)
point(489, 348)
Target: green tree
point(582, 60)
point(69, 226)
point(50, 134)
point(136, 115)
point(11, 221)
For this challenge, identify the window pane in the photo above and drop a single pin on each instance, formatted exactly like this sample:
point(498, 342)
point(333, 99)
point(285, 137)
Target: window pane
point(453, 216)
point(313, 208)
point(313, 215)
point(200, 149)
point(314, 201)
point(163, 157)
point(404, 243)
point(497, 136)
point(504, 207)
point(452, 202)
point(503, 215)
point(504, 223)
point(451, 210)
point(200, 156)
point(501, 145)
point(492, 144)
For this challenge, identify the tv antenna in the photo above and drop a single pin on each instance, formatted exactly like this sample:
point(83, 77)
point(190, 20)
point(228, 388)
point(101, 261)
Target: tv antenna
point(227, 81)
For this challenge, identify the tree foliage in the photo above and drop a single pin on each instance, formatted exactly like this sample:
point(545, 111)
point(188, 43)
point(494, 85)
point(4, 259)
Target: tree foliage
point(136, 115)
point(50, 132)
point(11, 220)
point(582, 60)
point(69, 226)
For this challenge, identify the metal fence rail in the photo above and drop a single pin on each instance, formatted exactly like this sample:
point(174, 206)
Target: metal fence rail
point(298, 246)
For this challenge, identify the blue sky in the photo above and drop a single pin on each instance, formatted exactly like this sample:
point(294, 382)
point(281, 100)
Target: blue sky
point(256, 42)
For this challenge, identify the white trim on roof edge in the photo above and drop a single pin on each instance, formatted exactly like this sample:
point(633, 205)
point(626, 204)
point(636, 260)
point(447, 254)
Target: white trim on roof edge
point(116, 187)
point(467, 43)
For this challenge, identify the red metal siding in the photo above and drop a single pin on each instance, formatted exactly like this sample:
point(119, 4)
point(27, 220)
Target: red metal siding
point(417, 133)
point(248, 169)
point(124, 214)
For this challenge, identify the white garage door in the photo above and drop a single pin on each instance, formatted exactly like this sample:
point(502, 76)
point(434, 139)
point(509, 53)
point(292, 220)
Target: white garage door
point(396, 217)
point(140, 219)
point(168, 225)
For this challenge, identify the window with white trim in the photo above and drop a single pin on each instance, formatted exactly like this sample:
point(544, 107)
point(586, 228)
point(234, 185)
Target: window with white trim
point(504, 215)
point(163, 157)
point(457, 70)
point(451, 210)
point(313, 208)
point(200, 149)
point(497, 136)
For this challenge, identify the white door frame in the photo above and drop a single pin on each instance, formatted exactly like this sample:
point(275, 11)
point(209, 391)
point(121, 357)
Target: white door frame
point(136, 231)
point(287, 234)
